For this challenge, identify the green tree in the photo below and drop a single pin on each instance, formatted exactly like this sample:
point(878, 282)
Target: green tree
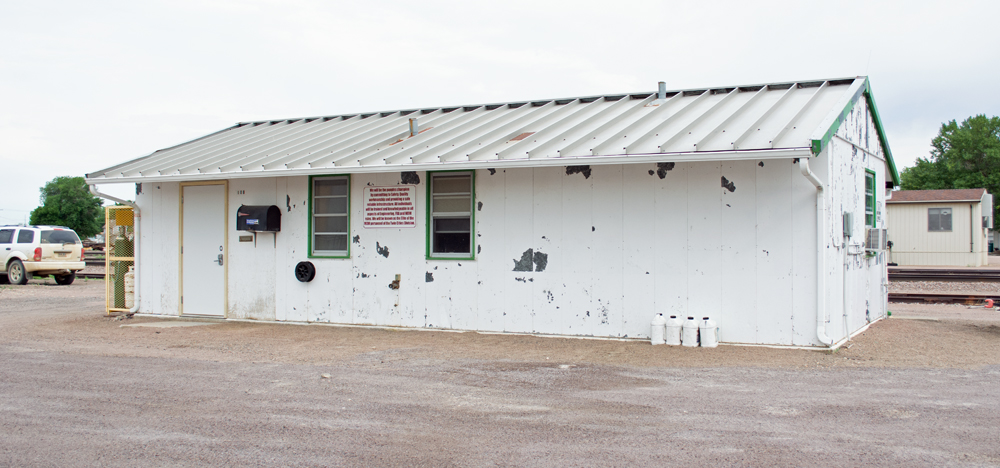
point(67, 201)
point(962, 156)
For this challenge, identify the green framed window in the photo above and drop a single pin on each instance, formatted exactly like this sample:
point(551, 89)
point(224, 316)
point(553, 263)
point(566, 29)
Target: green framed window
point(869, 198)
point(450, 215)
point(329, 216)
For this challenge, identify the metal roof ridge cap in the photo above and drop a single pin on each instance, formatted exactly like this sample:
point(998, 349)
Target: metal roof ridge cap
point(565, 98)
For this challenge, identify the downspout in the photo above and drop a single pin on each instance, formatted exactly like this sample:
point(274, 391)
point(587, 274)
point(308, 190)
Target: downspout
point(136, 250)
point(820, 254)
point(972, 234)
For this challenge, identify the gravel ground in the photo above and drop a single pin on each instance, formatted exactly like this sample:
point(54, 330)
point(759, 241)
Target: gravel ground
point(979, 287)
point(81, 389)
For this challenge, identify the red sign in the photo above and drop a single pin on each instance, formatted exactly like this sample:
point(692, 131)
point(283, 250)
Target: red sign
point(390, 207)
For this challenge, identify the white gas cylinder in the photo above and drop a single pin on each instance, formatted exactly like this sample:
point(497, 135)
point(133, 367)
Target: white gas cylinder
point(689, 332)
point(656, 332)
point(673, 330)
point(709, 331)
point(130, 288)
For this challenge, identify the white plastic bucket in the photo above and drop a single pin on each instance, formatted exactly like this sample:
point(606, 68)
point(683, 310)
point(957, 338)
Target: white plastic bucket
point(689, 333)
point(673, 330)
point(657, 329)
point(709, 332)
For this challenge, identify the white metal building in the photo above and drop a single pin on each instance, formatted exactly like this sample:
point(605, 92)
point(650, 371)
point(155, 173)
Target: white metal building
point(940, 227)
point(577, 216)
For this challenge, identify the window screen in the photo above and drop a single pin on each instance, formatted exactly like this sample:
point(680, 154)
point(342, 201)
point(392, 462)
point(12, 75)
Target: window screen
point(451, 214)
point(6, 235)
point(870, 199)
point(330, 205)
point(25, 236)
point(939, 219)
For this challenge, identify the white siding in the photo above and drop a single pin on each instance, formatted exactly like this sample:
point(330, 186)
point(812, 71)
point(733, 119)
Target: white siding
point(856, 283)
point(621, 245)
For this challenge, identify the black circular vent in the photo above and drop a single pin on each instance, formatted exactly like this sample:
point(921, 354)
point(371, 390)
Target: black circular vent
point(305, 272)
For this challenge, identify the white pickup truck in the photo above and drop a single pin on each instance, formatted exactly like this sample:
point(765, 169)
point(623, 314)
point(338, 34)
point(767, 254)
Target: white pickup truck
point(40, 250)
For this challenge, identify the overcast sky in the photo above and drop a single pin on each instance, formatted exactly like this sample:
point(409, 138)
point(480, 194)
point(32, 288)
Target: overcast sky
point(85, 85)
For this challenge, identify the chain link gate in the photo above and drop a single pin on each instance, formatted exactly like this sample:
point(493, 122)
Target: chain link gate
point(119, 254)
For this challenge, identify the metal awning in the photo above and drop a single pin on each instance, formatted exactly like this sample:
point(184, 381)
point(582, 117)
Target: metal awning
point(780, 120)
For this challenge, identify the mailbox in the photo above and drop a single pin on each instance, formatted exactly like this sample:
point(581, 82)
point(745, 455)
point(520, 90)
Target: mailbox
point(258, 218)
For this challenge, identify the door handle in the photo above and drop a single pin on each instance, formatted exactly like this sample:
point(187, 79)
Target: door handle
point(220, 260)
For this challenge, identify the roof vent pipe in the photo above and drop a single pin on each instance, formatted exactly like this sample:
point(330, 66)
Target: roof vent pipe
point(661, 95)
point(414, 130)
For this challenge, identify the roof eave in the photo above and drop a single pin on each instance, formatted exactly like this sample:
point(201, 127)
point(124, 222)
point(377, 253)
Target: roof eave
point(756, 154)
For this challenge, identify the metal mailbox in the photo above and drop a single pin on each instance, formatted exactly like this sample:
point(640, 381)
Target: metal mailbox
point(258, 218)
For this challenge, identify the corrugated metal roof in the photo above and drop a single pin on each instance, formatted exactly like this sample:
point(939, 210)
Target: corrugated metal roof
point(931, 196)
point(759, 121)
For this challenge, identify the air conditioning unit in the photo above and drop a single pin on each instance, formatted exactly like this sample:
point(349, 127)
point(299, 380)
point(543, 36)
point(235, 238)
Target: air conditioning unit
point(876, 239)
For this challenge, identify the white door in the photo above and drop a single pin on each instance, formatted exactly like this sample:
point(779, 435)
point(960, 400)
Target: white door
point(203, 255)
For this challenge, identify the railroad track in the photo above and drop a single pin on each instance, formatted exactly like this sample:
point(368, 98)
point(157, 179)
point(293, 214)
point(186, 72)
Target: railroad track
point(968, 299)
point(90, 275)
point(935, 274)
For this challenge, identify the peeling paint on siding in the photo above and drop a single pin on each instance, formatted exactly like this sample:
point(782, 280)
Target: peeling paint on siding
point(492, 171)
point(383, 251)
point(288, 203)
point(585, 170)
point(479, 206)
point(428, 277)
point(541, 261)
point(525, 263)
point(357, 239)
point(532, 260)
point(728, 184)
point(663, 168)
point(410, 178)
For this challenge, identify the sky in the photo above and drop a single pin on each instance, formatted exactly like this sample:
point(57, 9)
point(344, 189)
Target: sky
point(86, 85)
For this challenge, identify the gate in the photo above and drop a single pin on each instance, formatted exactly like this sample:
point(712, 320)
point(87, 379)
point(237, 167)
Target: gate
point(119, 255)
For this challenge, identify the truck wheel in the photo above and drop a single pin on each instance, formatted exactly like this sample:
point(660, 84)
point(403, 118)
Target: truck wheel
point(16, 273)
point(66, 279)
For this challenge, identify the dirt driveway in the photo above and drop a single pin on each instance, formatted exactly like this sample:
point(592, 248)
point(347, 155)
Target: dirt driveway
point(79, 389)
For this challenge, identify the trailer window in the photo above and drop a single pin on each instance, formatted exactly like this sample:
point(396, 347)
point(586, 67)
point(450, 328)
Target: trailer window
point(450, 215)
point(329, 220)
point(939, 219)
point(869, 198)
